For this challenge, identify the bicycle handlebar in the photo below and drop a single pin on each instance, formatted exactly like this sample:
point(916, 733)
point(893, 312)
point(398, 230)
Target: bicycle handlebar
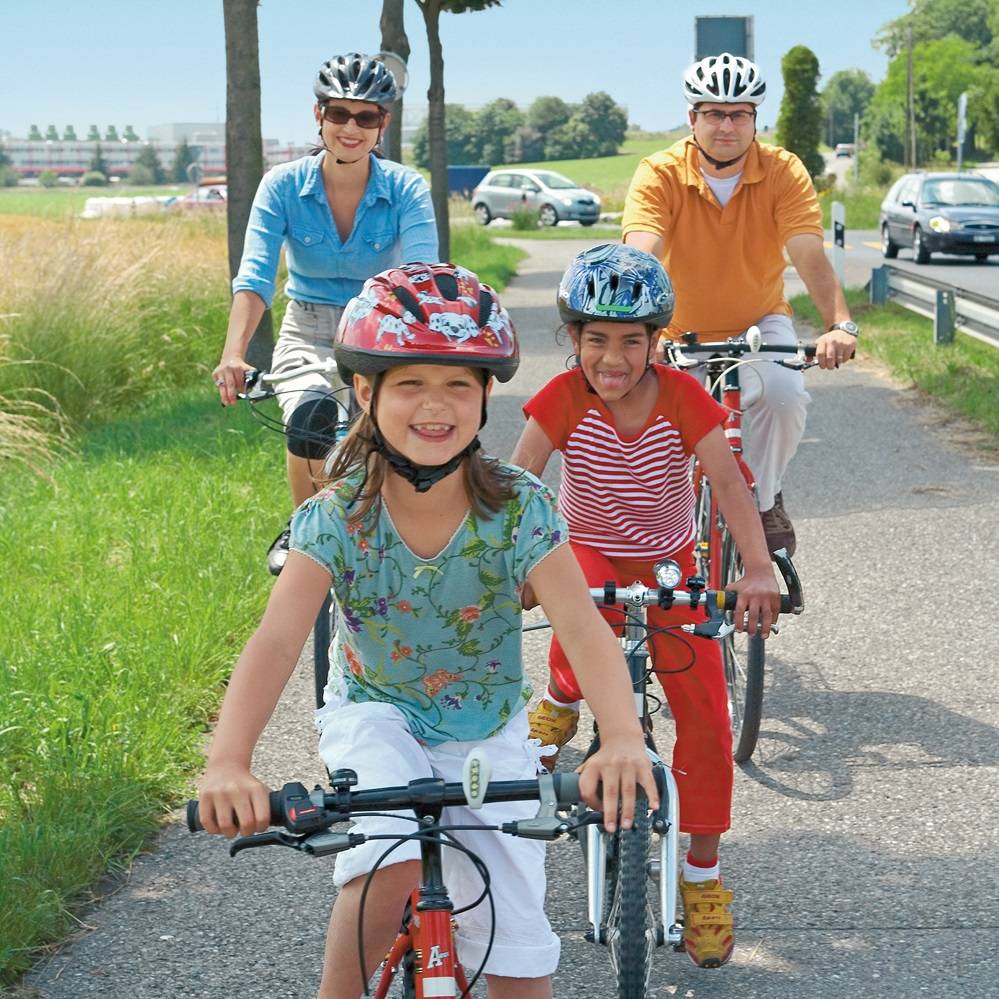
point(737, 346)
point(300, 811)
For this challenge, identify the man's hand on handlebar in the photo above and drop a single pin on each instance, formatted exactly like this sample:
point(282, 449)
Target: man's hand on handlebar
point(229, 377)
point(835, 348)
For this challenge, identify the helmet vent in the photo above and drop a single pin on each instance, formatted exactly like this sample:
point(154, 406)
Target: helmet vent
point(485, 306)
point(410, 303)
point(447, 285)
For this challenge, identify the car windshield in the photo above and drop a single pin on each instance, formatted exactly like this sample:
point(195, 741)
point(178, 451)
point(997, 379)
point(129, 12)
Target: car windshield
point(961, 192)
point(554, 180)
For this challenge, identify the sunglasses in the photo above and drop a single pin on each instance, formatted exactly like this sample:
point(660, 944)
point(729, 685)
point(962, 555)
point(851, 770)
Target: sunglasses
point(337, 115)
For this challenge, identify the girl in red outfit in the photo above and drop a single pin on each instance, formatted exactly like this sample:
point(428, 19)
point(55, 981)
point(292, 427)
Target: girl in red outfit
point(627, 428)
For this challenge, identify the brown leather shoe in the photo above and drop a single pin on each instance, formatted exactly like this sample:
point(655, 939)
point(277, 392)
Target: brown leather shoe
point(777, 527)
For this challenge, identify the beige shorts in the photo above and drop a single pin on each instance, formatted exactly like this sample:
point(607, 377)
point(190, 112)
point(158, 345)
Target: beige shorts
point(306, 337)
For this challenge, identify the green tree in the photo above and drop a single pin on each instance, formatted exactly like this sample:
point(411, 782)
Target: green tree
point(497, 123)
point(548, 113)
point(70, 134)
point(183, 157)
point(941, 71)
point(139, 175)
point(34, 135)
point(149, 159)
point(244, 146)
point(573, 140)
point(48, 178)
point(606, 121)
point(97, 162)
point(462, 138)
point(525, 146)
point(972, 20)
point(436, 122)
point(111, 135)
point(51, 134)
point(799, 124)
point(93, 135)
point(847, 93)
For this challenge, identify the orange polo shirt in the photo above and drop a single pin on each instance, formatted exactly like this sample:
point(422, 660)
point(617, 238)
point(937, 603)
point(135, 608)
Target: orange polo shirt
point(726, 264)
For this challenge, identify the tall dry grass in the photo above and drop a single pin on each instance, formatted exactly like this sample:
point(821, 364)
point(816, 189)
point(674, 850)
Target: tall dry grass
point(98, 314)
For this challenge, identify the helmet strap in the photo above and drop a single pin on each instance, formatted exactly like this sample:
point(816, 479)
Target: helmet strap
point(717, 164)
point(421, 477)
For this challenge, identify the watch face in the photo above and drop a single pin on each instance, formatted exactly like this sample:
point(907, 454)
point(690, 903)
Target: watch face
point(848, 327)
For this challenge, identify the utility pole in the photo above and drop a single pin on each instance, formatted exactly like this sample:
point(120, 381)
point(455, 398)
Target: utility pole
point(856, 147)
point(911, 121)
point(962, 117)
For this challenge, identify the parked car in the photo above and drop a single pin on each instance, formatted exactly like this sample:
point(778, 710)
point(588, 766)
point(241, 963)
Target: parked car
point(555, 198)
point(941, 213)
point(845, 149)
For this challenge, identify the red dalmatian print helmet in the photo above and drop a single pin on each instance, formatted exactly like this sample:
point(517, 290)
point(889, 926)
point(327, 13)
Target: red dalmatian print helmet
point(425, 313)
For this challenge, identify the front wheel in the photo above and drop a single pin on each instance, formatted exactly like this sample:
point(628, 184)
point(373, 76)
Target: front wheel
point(743, 659)
point(547, 216)
point(919, 251)
point(482, 214)
point(630, 929)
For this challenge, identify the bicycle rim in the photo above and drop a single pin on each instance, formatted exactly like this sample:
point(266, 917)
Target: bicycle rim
point(743, 657)
point(703, 518)
point(630, 930)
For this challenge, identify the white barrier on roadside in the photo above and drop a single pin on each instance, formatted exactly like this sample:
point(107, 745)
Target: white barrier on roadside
point(97, 208)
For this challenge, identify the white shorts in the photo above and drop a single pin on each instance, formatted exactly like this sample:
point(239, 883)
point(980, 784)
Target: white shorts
point(306, 336)
point(374, 740)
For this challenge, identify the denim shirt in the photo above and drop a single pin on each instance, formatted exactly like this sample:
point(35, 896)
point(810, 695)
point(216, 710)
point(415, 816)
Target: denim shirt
point(394, 224)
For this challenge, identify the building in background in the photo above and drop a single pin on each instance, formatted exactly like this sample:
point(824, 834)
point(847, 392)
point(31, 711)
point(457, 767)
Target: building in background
point(714, 35)
point(71, 157)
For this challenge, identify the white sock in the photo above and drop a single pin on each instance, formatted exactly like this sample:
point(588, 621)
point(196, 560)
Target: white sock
point(692, 873)
point(552, 699)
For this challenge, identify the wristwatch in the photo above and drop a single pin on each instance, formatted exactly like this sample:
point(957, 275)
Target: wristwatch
point(847, 326)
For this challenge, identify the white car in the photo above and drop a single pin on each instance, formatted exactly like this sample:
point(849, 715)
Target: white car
point(555, 198)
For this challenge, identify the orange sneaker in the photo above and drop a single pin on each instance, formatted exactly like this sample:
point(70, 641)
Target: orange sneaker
point(554, 726)
point(708, 928)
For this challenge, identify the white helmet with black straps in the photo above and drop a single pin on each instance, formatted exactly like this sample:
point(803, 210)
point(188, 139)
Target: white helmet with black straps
point(355, 77)
point(724, 79)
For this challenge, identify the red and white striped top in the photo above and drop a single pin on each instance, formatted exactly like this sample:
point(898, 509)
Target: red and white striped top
point(627, 498)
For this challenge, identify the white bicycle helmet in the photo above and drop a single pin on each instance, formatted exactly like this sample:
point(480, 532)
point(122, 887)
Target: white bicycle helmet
point(724, 79)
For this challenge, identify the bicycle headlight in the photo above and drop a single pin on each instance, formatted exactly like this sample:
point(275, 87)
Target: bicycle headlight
point(939, 224)
point(668, 573)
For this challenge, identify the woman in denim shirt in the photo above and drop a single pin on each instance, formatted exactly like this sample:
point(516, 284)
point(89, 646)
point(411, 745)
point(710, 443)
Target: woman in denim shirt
point(342, 215)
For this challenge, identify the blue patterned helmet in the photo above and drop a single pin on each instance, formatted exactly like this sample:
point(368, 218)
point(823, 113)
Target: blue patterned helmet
point(616, 283)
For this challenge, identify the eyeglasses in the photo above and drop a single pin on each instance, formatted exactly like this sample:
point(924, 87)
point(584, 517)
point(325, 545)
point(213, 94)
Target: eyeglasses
point(337, 115)
point(738, 118)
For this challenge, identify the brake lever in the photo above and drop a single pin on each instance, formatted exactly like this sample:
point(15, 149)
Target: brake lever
point(273, 837)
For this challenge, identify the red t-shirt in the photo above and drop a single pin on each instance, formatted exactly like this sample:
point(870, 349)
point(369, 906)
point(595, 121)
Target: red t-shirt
point(627, 498)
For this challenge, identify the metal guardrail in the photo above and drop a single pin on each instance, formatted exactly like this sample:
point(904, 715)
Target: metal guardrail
point(950, 308)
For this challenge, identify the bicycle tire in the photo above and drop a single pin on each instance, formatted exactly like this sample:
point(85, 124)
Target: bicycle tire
point(630, 928)
point(743, 658)
point(322, 635)
point(703, 516)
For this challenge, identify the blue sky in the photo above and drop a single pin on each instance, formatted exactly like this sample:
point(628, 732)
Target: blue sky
point(148, 62)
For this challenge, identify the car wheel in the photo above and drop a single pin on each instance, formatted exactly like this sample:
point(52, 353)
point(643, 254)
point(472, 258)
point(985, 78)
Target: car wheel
point(482, 214)
point(547, 216)
point(889, 248)
point(981, 257)
point(919, 252)
point(587, 222)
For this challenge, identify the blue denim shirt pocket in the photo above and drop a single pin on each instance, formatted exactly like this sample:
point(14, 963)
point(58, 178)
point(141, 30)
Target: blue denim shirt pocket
point(308, 250)
point(380, 251)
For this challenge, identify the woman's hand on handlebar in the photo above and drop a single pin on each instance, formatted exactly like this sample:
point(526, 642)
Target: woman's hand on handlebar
point(232, 801)
point(759, 602)
point(229, 377)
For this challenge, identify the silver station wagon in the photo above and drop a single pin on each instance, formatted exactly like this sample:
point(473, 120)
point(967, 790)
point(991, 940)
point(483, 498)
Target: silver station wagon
point(555, 198)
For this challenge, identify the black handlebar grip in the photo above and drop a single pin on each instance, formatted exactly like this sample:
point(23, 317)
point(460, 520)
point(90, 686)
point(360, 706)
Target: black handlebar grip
point(277, 813)
point(787, 604)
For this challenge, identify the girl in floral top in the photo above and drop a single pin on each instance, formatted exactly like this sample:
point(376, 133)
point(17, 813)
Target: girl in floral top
point(428, 545)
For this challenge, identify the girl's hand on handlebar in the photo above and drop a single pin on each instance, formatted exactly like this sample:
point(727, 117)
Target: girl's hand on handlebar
point(229, 378)
point(620, 764)
point(759, 602)
point(232, 801)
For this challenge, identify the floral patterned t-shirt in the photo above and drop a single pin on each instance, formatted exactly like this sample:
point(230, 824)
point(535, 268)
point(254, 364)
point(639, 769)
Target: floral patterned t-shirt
point(437, 637)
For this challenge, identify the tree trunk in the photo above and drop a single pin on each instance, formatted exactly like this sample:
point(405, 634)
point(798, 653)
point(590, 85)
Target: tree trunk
point(394, 40)
point(436, 127)
point(244, 146)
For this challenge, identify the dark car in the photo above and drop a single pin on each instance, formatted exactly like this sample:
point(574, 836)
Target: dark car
point(941, 213)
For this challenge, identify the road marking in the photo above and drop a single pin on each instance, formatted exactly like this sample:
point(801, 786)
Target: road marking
point(872, 245)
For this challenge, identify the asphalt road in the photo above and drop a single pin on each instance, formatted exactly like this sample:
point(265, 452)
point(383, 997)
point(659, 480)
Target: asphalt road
point(864, 854)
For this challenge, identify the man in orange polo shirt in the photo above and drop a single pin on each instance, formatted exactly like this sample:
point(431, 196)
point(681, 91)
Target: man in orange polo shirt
point(719, 209)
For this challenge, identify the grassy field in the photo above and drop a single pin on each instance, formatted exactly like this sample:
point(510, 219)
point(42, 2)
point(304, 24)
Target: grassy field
point(58, 202)
point(963, 376)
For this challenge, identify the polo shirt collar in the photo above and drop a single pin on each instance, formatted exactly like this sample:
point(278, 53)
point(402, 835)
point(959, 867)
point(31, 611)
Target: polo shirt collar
point(752, 169)
point(378, 186)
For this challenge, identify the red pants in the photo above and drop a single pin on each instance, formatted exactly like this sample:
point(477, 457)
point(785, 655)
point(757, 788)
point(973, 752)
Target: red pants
point(702, 756)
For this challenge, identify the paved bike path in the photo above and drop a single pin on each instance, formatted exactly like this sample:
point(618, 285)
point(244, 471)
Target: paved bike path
point(863, 854)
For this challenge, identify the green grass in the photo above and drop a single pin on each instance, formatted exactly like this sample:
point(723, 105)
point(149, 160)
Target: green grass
point(962, 376)
point(474, 248)
point(861, 207)
point(58, 202)
point(139, 575)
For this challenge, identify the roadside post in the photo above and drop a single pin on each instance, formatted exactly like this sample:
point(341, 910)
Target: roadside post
point(943, 317)
point(962, 117)
point(879, 285)
point(839, 241)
